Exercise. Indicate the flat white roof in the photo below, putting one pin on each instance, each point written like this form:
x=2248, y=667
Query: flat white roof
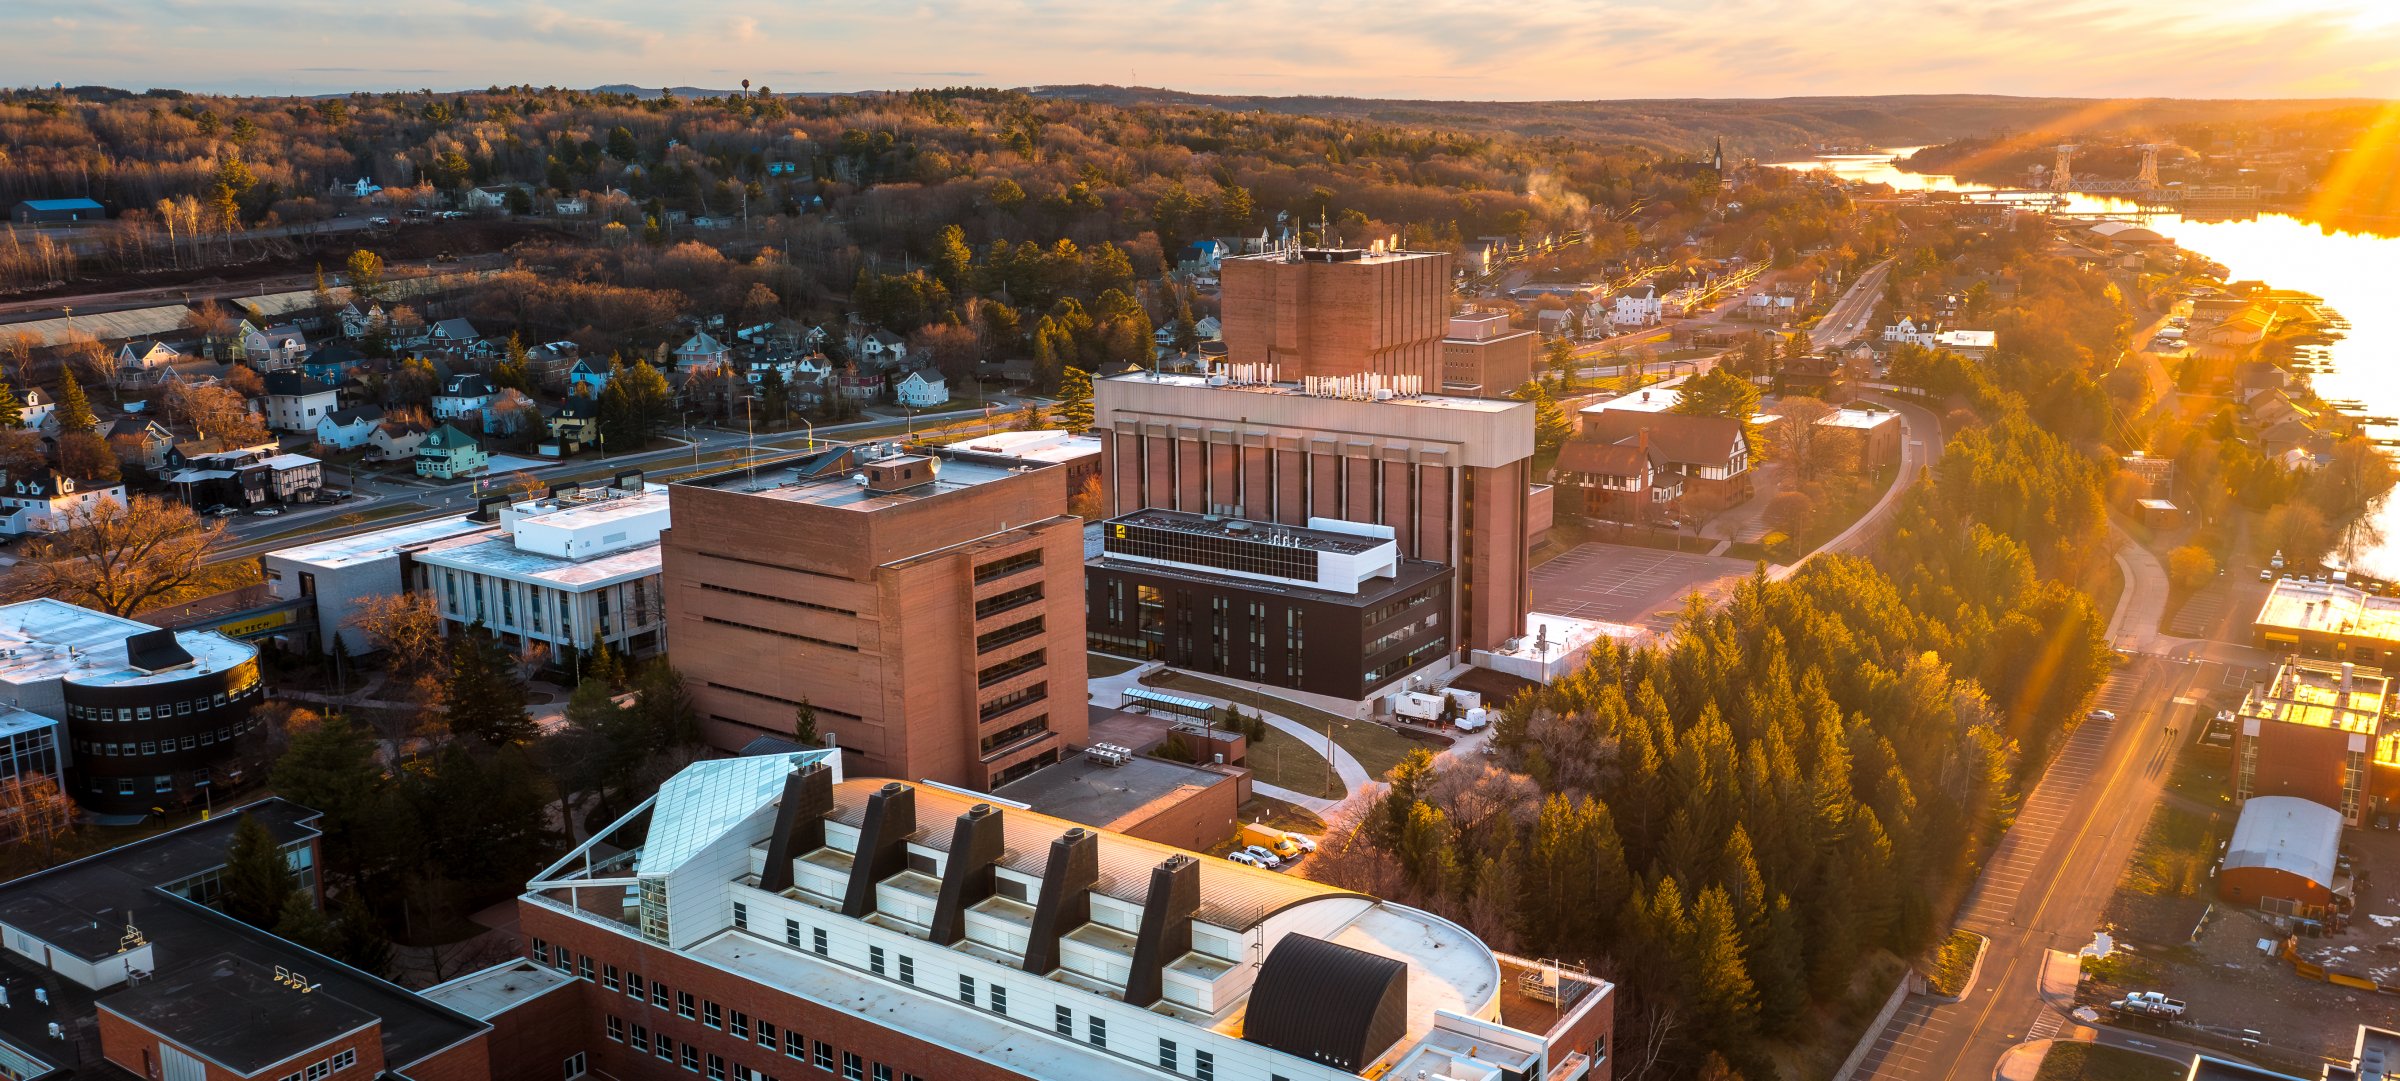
x=47, y=638
x=486, y=994
x=1294, y=390
x=368, y=547
x=1040, y=446
x=1859, y=418
x=499, y=556
x=288, y=461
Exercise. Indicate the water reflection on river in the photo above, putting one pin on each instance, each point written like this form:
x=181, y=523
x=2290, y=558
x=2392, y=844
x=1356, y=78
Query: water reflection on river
x=2356, y=273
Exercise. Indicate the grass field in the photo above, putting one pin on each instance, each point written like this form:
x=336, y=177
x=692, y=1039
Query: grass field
x=2071, y=1061
x=2173, y=856
x=1376, y=747
x=1101, y=664
x=1285, y=762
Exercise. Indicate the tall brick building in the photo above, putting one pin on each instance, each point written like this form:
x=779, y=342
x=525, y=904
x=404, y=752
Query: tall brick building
x=926, y=606
x=1338, y=312
x=762, y=917
x=1483, y=358
x=1449, y=475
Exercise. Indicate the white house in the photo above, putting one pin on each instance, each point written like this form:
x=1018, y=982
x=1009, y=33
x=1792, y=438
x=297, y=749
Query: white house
x=463, y=396
x=41, y=503
x=139, y=361
x=922, y=389
x=38, y=410
x=700, y=351
x=882, y=347
x=395, y=441
x=490, y=198
x=344, y=429
x=1929, y=334
x=275, y=347
x=1639, y=306
x=294, y=402
x=571, y=207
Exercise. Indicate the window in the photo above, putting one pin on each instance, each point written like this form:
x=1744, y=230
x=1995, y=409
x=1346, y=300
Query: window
x=739, y=1026
x=616, y=1028
x=1002, y=568
x=1021, y=696
x=574, y=1066
x=1166, y=1055
x=1204, y=1066
x=766, y=1035
x=824, y=1055
x=791, y=933
x=882, y=1072
x=1001, y=602
x=712, y=1015
x=641, y=1038
x=658, y=995
x=666, y=1048
x=817, y=943
x=633, y=985
x=683, y=1005
x=875, y=960
x=741, y=916
x=966, y=988
x=608, y=977
x=1064, y=1020
x=585, y=968
x=344, y=1059
x=1012, y=667
x=999, y=997
x=541, y=952
x=854, y=1068
x=563, y=960
x=691, y=1058
x=716, y=1068
x=319, y=1070
x=908, y=969
x=1096, y=1030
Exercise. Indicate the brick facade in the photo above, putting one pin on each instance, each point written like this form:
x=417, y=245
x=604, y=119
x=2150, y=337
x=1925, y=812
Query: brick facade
x=1339, y=313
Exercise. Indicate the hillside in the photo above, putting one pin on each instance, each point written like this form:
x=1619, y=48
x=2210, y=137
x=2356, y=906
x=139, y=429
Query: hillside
x=1761, y=127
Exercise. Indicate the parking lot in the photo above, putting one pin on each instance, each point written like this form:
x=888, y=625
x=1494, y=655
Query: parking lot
x=1620, y=583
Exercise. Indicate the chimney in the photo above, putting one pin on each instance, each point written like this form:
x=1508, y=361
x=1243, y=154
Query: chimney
x=976, y=844
x=1066, y=900
x=799, y=823
x=882, y=845
x=1166, y=926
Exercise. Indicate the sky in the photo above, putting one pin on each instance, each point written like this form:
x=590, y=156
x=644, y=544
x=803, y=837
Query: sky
x=1442, y=49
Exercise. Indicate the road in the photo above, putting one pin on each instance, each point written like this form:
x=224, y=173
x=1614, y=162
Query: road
x=1847, y=320
x=2046, y=885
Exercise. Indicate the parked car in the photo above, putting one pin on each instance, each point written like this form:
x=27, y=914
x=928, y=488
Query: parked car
x=379, y=221
x=1264, y=857
x=1306, y=843
x=2265, y=575
x=2101, y=715
x=1244, y=858
x=266, y=512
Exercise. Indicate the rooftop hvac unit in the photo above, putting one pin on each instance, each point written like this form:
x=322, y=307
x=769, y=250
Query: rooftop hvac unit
x=859, y=479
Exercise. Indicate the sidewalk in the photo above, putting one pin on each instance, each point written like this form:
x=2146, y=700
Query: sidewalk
x=1109, y=692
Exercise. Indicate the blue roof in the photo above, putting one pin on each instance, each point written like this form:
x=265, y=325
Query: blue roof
x=62, y=204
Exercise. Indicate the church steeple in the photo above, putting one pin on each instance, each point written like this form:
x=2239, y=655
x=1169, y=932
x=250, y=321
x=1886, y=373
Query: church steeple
x=1719, y=159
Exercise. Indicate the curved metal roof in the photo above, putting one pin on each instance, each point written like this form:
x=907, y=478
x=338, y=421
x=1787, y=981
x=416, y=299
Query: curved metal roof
x=1327, y=1003
x=2289, y=834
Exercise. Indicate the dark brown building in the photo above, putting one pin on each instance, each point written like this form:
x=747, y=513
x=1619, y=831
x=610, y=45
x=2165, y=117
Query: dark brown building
x=924, y=605
x=1331, y=610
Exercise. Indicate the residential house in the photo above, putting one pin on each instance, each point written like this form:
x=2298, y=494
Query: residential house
x=38, y=410
x=453, y=334
x=571, y=207
x=463, y=396
x=494, y=198
x=859, y=386
x=923, y=388
x=358, y=319
x=572, y=427
x=550, y=358
x=332, y=363
x=294, y=403
x=2291, y=434
x=1710, y=454
x=448, y=453
x=1825, y=377
x=700, y=351
x=1209, y=328
x=294, y=478
x=508, y=412
x=395, y=440
x=881, y=347
x=1202, y=255
x=348, y=429
x=138, y=360
x=1616, y=482
x=141, y=442
x=42, y=502
x=274, y=348
x=586, y=379
x=1973, y=344
x=1639, y=306
x=247, y=477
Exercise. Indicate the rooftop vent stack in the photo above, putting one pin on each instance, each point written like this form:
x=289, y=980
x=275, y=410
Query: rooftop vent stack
x=882, y=845
x=629, y=480
x=977, y=843
x=1066, y=899
x=800, y=826
x=1166, y=932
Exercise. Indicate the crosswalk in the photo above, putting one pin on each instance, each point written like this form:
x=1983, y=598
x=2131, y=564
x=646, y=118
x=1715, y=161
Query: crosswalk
x=1903, y=1050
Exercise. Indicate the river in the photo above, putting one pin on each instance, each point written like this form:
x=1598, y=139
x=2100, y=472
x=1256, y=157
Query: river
x=2350, y=270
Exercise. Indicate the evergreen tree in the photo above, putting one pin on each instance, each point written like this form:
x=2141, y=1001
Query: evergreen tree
x=953, y=261
x=74, y=410
x=1778, y=967
x=359, y=939
x=604, y=666
x=257, y=879
x=1429, y=850
x=483, y=696
x=12, y=408
x=299, y=921
x=1726, y=1000
x=668, y=715
x=331, y=768
x=804, y=724
x=1074, y=412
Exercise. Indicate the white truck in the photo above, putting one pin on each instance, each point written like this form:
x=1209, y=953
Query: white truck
x=1419, y=706
x=2151, y=1004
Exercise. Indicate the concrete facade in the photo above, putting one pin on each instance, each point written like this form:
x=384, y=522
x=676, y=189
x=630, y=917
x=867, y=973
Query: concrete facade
x=1338, y=312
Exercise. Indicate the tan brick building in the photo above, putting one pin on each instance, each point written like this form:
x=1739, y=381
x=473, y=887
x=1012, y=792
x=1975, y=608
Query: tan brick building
x=927, y=606
x=1338, y=312
x=1481, y=356
x=1450, y=475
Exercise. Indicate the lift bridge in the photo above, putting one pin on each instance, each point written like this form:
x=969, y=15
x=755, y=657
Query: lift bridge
x=2143, y=188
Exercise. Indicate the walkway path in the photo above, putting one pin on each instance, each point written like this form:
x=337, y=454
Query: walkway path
x=1109, y=691
x=1920, y=444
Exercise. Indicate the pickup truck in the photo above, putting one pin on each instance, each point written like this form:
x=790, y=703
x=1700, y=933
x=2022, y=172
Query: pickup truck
x=2148, y=1004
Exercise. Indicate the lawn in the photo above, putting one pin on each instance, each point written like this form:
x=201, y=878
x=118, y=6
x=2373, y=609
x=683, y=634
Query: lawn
x=1285, y=762
x=1101, y=664
x=1376, y=747
x=2074, y=1061
x=1954, y=963
x=1276, y=814
x=2173, y=856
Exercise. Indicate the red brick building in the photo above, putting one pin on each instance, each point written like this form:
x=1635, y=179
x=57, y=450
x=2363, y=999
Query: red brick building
x=1338, y=312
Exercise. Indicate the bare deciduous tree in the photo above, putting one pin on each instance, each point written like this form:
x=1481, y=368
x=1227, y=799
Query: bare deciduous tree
x=408, y=630
x=122, y=559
